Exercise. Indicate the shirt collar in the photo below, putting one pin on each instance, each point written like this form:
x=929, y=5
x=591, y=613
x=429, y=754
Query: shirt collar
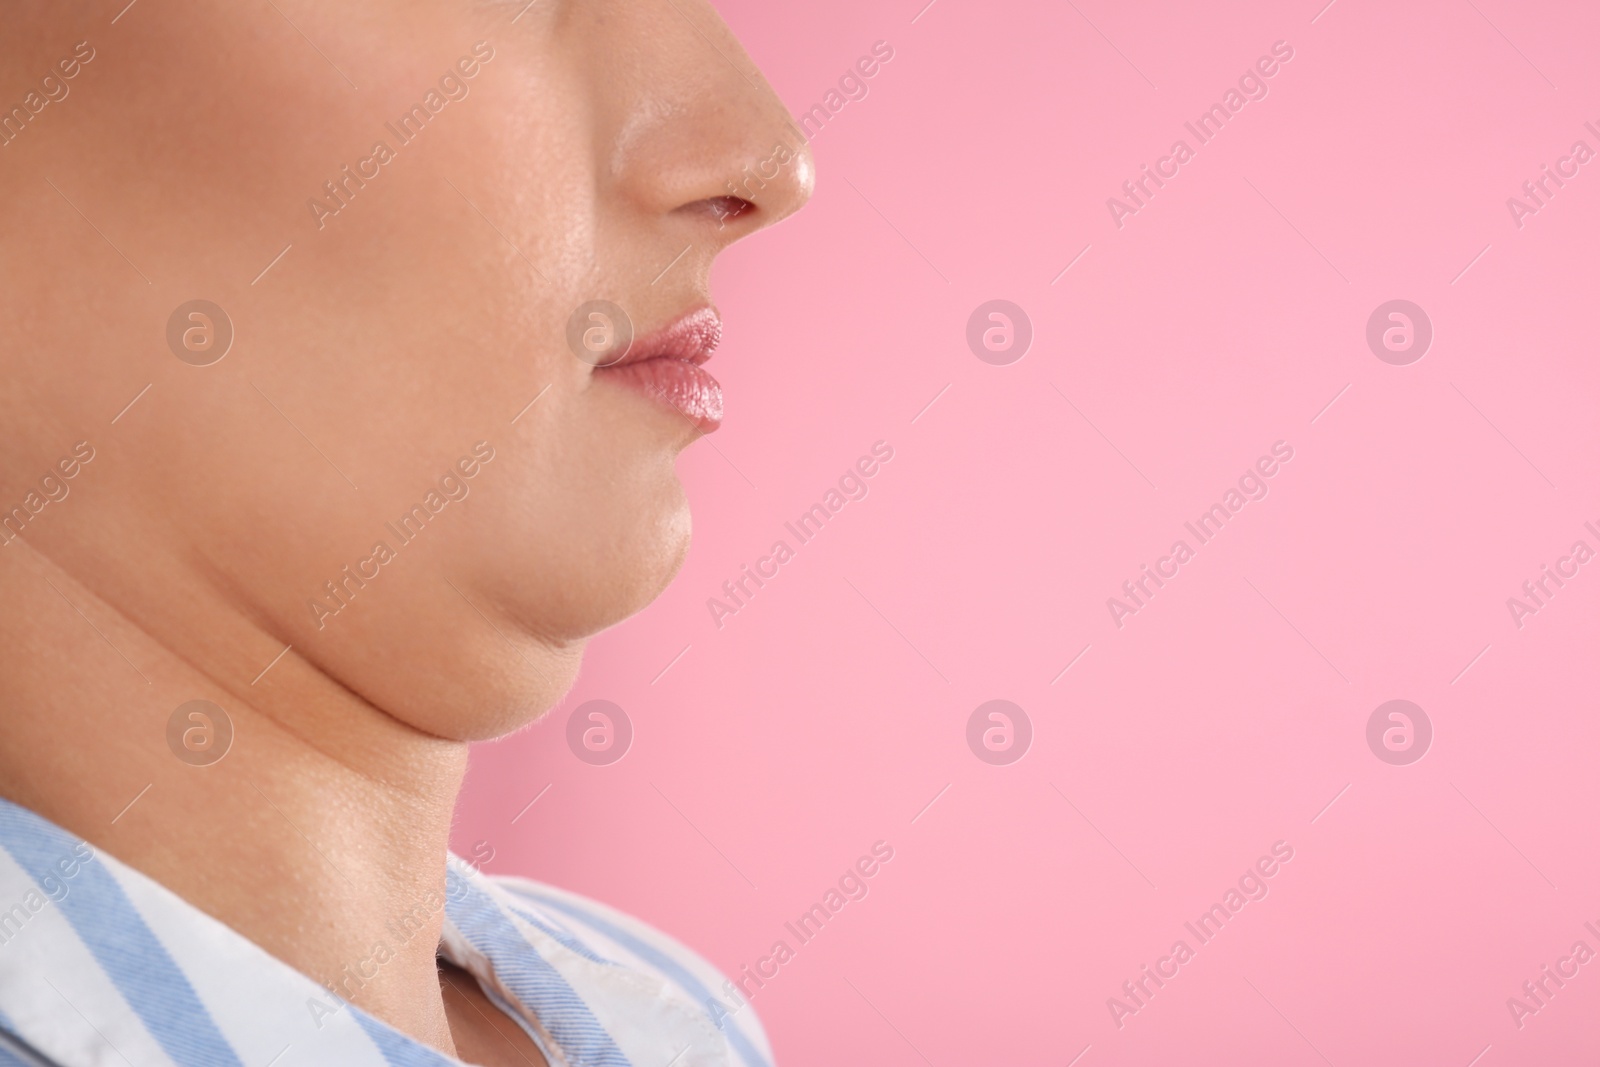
x=100, y=965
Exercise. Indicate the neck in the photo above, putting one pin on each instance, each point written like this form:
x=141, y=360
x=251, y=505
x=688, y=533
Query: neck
x=320, y=836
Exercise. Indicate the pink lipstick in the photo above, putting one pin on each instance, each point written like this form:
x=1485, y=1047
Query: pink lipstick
x=666, y=367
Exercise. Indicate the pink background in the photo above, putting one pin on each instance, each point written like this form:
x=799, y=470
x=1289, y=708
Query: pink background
x=1225, y=716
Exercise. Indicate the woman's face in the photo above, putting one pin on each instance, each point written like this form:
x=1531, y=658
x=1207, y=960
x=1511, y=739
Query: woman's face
x=400, y=466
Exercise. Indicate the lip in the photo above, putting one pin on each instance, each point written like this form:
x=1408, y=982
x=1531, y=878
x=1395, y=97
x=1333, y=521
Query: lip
x=665, y=366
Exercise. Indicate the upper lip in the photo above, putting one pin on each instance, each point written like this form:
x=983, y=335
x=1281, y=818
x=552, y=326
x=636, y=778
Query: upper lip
x=691, y=338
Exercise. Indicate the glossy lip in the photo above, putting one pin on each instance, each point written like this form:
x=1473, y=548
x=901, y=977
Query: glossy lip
x=690, y=338
x=665, y=367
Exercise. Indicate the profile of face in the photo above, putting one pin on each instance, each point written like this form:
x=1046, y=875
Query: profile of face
x=400, y=466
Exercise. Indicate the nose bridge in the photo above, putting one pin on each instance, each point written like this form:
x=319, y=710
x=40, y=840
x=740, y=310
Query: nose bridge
x=696, y=121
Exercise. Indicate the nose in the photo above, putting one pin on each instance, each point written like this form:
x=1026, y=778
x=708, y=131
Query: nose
x=697, y=142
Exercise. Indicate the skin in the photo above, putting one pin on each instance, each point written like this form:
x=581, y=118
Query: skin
x=419, y=320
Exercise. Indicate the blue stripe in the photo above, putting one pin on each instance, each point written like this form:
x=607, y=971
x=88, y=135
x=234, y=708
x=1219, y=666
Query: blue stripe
x=114, y=931
x=663, y=963
x=530, y=978
x=562, y=936
x=11, y=1059
x=15, y=1052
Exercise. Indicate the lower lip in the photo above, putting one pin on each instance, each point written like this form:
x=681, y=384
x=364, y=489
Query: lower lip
x=676, y=385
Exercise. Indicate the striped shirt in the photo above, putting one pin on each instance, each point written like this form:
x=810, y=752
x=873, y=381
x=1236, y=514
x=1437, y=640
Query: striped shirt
x=102, y=967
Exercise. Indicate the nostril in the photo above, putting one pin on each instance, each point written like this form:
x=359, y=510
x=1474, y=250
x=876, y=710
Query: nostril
x=725, y=209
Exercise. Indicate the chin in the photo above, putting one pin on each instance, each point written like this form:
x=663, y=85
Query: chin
x=486, y=632
x=607, y=580
x=504, y=701
x=588, y=586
